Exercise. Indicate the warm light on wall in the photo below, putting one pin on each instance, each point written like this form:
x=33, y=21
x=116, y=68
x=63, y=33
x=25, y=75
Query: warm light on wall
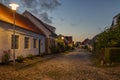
x=56, y=39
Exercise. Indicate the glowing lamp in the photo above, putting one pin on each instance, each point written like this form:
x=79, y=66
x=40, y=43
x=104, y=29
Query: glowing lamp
x=14, y=6
x=62, y=37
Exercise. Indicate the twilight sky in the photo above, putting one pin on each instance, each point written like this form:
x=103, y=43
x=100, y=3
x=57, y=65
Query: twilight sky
x=78, y=18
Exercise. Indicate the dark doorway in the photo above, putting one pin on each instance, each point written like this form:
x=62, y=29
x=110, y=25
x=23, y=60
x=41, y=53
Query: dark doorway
x=39, y=46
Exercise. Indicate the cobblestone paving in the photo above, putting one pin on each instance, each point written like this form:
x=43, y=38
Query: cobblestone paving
x=72, y=66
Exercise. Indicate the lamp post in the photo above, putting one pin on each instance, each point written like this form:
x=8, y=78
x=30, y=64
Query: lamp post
x=14, y=8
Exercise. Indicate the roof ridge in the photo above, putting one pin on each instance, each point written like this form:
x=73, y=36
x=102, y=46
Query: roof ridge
x=44, y=24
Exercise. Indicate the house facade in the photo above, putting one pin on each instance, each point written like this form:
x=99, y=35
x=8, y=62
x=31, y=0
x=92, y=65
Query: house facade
x=116, y=19
x=48, y=30
x=28, y=38
x=69, y=41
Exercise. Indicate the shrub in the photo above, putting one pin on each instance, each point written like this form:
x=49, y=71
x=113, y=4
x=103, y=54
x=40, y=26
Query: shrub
x=20, y=58
x=30, y=56
x=115, y=55
x=110, y=55
x=61, y=47
x=107, y=55
x=54, y=49
x=6, y=57
x=41, y=54
x=68, y=48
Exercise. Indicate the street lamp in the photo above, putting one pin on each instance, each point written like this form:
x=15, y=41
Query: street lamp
x=14, y=8
x=62, y=38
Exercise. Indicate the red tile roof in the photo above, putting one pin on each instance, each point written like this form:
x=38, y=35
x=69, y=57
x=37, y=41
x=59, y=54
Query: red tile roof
x=6, y=15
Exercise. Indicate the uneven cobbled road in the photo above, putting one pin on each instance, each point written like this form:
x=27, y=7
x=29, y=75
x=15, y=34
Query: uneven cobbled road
x=75, y=65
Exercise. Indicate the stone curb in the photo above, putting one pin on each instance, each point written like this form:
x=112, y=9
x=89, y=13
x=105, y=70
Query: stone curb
x=34, y=62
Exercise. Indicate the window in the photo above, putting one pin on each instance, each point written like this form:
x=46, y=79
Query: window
x=14, y=41
x=26, y=42
x=34, y=43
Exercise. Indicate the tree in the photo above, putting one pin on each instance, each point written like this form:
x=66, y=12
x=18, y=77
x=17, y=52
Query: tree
x=110, y=37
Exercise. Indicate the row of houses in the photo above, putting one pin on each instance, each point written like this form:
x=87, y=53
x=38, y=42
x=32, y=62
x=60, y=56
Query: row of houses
x=32, y=36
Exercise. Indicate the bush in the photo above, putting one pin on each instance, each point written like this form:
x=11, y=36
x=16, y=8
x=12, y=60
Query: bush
x=107, y=55
x=54, y=49
x=61, y=47
x=6, y=57
x=115, y=55
x=20, y=59
x=30, y=56
x=41, y=54
x=68, y=48
x=110, y=55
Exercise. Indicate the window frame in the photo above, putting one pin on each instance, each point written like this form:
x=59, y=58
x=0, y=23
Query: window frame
x=26, y=42
x=16, y=45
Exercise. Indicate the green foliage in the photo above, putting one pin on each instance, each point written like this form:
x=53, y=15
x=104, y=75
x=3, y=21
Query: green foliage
x=110, y=37
x=102, y=40
x=68, y=48
x=30, y=56
x=6, y=57
x=55, y=49
x=112, y=55
x=61, y=46
x=20, y=58
x=42, y=54
x=107, y=39
x=115, y=55
x=107, y=55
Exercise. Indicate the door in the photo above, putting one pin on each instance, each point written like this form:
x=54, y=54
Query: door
x=39, y=46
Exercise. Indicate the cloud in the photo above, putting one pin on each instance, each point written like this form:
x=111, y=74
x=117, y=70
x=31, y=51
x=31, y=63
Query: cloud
x=45, y=18
x=41, y=8
x=37, y=7
x=41, y=4
x=50, y=4
x=29, y=3
x=5, y=1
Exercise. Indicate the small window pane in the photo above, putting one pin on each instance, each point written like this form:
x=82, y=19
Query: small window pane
x=26, y=42
x=14, y=41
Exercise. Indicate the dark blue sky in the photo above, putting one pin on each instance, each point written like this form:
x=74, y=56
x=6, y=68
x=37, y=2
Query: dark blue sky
x=79, y=18
x=85, y=18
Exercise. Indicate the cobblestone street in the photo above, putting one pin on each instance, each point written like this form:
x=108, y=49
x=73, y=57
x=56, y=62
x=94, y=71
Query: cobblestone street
x=72, y=66
x=59, y=39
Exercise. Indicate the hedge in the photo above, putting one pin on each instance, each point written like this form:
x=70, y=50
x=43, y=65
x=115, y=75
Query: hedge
x=115, y=55
x=112, y=55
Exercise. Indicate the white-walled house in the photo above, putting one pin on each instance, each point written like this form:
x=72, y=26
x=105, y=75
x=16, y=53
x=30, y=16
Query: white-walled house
x=28, y=38
x=48, y=30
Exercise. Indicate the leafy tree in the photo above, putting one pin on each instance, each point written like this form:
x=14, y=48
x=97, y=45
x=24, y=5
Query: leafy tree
x=110, y=37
